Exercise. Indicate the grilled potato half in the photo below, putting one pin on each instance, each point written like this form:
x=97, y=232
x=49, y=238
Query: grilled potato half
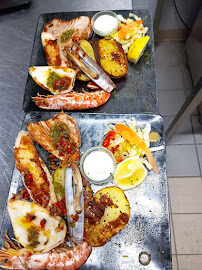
x=106, y=214
x=86, y=46
x=111, y=57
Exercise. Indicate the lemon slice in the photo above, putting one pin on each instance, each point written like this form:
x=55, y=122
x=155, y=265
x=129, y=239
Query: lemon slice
x=137, y=48
x=130, y=173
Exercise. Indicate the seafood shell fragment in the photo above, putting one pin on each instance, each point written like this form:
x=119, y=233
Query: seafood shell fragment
x=57, y=80
x=34, y=228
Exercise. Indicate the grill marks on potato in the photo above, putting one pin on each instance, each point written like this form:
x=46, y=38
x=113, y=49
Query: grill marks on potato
x=106, y=214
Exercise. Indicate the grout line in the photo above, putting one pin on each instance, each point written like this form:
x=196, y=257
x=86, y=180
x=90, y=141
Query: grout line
x=180, y=89
x=171, y=221
x=183, y=144
x=186, y=213
x=184, y=176
x=188, y=254
x=171, y=217
x=197, y=154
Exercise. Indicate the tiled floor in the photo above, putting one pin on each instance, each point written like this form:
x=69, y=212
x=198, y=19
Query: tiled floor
x=184, y=158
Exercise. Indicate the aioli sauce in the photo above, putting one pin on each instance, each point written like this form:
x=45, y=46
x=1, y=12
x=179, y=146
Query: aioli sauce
x=105, y=23
x=98, y=165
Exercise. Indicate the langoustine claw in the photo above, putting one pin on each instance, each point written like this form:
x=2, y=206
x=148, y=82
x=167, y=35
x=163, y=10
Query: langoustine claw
x=72, y=100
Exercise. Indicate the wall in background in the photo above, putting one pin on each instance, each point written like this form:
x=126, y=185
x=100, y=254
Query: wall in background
x=188, y=10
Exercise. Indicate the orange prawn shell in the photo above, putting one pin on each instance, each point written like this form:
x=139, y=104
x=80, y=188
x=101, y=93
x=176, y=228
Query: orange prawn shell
x=72, y=100
x=40, y=132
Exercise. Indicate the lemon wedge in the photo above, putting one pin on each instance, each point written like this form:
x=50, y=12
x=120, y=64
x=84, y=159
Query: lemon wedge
x=137, y=48
x=130, y=173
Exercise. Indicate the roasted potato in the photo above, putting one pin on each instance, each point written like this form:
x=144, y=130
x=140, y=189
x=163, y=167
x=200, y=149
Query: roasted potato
x=86, y=46
x=111, y=57
x=106, y=214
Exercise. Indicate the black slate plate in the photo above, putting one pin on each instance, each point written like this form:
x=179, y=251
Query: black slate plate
x=135, y=93
x=148, y=228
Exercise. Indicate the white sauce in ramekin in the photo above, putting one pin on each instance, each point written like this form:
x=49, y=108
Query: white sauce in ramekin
x=105, y=23
x=98, y=165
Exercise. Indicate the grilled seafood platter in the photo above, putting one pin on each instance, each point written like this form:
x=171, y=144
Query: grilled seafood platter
x=95, y=63
x=56, y=218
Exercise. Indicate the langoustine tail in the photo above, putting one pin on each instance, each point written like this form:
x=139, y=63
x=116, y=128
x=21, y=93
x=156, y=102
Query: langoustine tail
x=72, y=101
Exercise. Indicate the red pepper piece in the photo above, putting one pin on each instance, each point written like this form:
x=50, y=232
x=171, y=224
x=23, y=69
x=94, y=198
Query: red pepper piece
x=106, y=142
x=110, y=136
x=77, y=49
x=62, y=82
x=84, y=54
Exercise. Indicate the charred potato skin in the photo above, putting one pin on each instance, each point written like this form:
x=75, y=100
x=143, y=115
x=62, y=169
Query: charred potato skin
x=111, y=57
x=115, y=217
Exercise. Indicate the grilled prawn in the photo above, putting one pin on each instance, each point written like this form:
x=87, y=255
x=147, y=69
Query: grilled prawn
x=60, y=258
x=72, y=100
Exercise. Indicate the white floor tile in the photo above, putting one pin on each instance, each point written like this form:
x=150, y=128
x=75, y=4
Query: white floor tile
x=188, y=233
x=170, y=54
x=183, y=135
x=170, y=102
x=189, y=262
x=199, y=151
x=186, y=77
x=174, y=262
x=197, y=127
x=182, y=161
x=172, y=236
x=185, y=195
x=169, y=78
